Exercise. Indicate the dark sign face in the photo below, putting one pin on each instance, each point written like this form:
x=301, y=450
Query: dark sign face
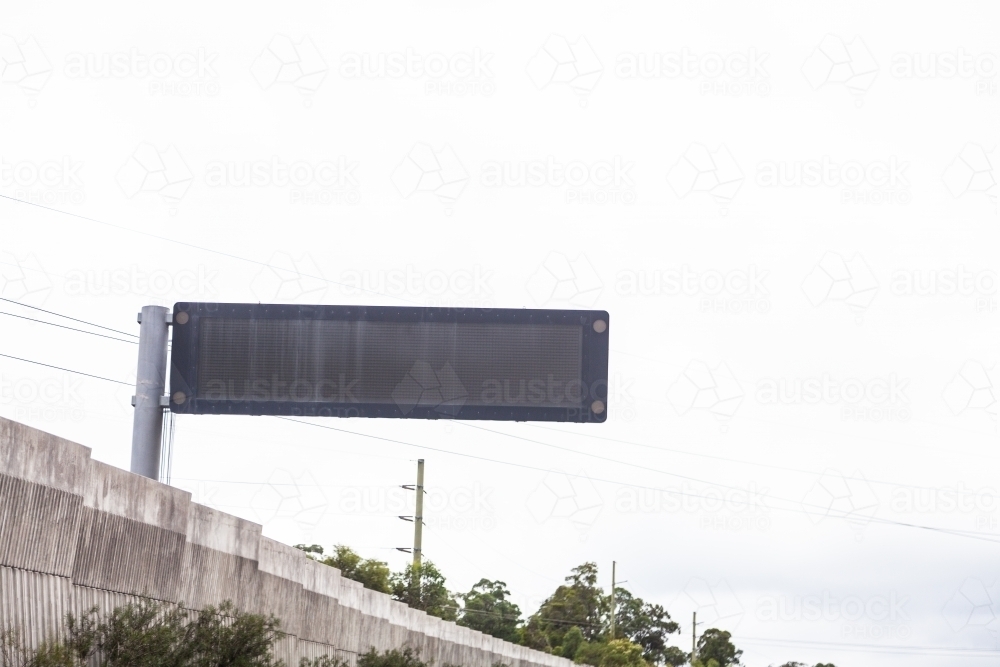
x=368, y=361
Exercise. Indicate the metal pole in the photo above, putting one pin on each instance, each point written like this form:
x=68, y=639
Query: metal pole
x=150, y=384
x=613, y=599
x=418, y=517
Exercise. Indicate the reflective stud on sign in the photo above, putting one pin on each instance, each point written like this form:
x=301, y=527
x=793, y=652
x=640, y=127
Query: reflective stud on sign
x=597, y=407
x=179, y=397
x=182, y=318
x=600, y=326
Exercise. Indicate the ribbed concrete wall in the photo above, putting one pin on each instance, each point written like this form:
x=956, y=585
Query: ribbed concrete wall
x=75, y=533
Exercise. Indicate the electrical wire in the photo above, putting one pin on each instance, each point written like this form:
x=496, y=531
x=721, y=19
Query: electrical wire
x=726, y=459
x=827, y=511
x=837, y=514
x=24, y=305
x=185, y=244
x=695, y=479
x=875, y=648
x=63, y=326
x=67, y=370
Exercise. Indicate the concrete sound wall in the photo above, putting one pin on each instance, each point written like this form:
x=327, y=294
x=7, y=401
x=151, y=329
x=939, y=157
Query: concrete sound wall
x=75, y=533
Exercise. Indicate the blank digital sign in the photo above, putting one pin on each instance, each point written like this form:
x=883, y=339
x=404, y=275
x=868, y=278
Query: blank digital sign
x=367, y=361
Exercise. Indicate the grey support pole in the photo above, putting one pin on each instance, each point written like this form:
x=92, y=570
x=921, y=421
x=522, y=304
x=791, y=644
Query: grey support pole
x=150, y=386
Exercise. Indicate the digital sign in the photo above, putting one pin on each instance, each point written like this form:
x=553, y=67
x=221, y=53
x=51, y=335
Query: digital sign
x=376, y=361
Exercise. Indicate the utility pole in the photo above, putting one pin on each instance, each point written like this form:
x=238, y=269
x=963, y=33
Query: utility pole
x=613, y=563
x=694, y=644
x=150, y=384
x=418, y=517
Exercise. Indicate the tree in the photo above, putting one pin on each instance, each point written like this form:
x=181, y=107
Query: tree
x=533, y=636
x=614, y=653
x=572, y=641
x=578, y=603
x=647, y=625
x=488, y=610
x=394, y=658
x=622, y=653
x=370, y=573
x=674, y=657
x=715, y=645
x=152, y=634
x=581, y=605
x=423, y=587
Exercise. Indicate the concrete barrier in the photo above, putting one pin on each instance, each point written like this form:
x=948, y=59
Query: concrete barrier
x=77, y=533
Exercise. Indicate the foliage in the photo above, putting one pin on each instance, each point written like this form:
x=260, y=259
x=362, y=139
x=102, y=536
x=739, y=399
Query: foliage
x=715, y=645
x=423, y=587
x=394, y=658
x=150, y=634
x=622, y=653
x=674, y=657
x=323, y=661
x=590, y=653
x=577, y=603
x=49, y=654
x=572, y=641
x=581, y=605
x=227, y=636
x=488, y=610
x=614, y=653
x=370, y=573
x=532, y=635
x=647, y=625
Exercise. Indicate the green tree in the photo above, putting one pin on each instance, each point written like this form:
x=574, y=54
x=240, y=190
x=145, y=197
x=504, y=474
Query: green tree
x=579, y=602
x=143, y=634
x=224, y=635
x=394, y=658
x=488, y=610
x=533, y=636
x=152, y=634
x=323, y=661
x=13, y=653
x=590, y=653
x=622, y=653
x=614, y=653
x=572, y=641
x=649, y=626
x=716, y=645
x=370, y=573
x=674, y=657
x=423, y=587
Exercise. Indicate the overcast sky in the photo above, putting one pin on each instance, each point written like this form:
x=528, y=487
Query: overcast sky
x=790, y=214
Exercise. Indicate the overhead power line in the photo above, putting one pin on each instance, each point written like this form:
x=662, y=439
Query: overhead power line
x=725, y=459
x=67, y=370
x=827, y=511
x=672, y=474
x=63, y=326
x=50, y=312
x=953, y=651
x=185, y=244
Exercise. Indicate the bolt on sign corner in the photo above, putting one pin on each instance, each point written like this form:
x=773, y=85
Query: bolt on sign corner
x=370, y=361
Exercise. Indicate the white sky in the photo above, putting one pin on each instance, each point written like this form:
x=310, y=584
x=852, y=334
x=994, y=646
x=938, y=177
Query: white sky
x=837, y=269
